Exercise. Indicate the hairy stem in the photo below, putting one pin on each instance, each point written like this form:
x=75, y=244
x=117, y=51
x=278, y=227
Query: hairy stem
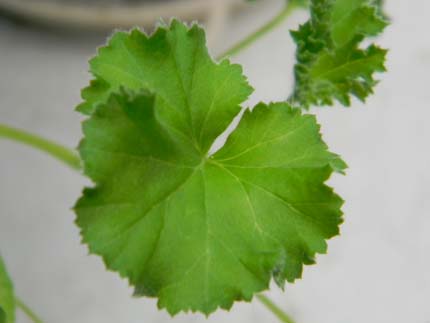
x=57, y=151
x=27, y=310
x=280, y=314
x=269, y=26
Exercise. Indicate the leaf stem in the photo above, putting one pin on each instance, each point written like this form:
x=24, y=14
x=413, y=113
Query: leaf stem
x=28, y=311
x=280, y=314
x=66, y=155
x=266, y=28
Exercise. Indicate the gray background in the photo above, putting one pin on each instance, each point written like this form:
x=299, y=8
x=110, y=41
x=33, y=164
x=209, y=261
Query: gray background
x=376, y=271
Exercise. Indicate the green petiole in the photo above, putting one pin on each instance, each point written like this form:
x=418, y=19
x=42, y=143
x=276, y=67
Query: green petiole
x=263, y=30
x=63, y=154
x=280, y=314
x=28, y=311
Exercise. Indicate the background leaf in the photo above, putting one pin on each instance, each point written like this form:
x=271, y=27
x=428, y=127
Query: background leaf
x=7, y=300
x=331, y=64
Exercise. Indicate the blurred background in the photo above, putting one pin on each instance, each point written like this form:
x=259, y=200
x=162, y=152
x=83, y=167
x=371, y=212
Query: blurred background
x=378, y=270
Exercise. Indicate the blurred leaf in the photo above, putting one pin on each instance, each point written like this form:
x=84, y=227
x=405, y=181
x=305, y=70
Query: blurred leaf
x=7, y=300
x=331, y=64
x=300, y=3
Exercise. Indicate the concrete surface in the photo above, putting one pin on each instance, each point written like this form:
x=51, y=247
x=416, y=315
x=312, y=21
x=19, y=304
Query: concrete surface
x=378, y=270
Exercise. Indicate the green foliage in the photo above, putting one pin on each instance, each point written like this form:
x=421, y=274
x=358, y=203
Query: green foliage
x=7, y=300
x=331, y=64
x=196, y=230
x=299, y=3
x=171, y=62
x=2, y=316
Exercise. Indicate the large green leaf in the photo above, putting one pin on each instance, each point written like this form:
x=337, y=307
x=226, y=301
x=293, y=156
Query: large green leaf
x=7, y=300
x=331, y=63
x=200, y=231
x=199, y=97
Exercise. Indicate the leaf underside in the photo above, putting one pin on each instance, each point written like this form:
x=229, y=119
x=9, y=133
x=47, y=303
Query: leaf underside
x=7, y=300
x=331, y=64
x=195, y=230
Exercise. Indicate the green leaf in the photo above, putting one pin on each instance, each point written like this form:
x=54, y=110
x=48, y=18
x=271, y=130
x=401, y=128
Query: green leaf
x=331, y=62
x=299, y=3
x=199, y=97
x=2, y=316
x=7, y=300
x=200, y=231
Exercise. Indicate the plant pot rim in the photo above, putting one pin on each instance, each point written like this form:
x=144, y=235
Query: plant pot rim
x=102, y=17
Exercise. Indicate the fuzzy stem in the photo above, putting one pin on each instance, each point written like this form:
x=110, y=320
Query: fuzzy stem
x=57, y=151
x=28, y=311
x=269, y=26
x=280, y=314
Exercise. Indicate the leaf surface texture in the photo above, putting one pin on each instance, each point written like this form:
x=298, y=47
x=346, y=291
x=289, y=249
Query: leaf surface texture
x=198, y=231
